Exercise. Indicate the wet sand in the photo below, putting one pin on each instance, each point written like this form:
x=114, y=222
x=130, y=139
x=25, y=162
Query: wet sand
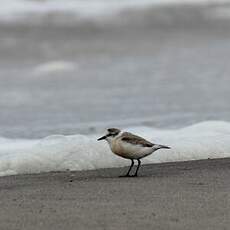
x=184, y=195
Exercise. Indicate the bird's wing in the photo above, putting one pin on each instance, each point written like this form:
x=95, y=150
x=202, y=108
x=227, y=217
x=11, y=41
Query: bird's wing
x=136, y=140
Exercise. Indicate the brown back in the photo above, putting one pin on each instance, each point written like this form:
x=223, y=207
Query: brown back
x=136, y=140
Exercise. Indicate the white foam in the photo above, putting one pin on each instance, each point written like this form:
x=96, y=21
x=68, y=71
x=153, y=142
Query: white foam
x=54, y=67
x=18, y=9
x=78, y=152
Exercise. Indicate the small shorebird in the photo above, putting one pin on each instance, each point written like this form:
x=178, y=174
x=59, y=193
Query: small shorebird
x=130, y=146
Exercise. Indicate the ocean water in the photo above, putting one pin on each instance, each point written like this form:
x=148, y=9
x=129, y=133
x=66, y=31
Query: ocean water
x=69, y=71
x=19, y=9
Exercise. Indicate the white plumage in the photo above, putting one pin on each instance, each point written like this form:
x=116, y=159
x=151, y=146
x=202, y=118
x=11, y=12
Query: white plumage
x=130, y=146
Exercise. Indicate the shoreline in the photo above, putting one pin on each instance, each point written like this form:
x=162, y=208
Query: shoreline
x=193, y=164
x=178, y=195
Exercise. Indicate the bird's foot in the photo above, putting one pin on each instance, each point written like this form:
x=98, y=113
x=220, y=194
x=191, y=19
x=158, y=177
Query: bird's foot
x=127, y=175
x=135, y=175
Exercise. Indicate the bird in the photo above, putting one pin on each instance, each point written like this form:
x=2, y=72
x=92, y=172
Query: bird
x=130, y=146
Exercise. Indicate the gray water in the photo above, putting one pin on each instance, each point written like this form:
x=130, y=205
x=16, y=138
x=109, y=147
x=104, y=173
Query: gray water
x=163, y=66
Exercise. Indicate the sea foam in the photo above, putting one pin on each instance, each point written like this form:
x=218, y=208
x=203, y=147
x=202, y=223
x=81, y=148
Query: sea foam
x=80, y=152
x=54, y=67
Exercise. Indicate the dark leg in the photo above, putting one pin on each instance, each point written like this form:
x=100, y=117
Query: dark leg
x=138, y=166
x=127, y=174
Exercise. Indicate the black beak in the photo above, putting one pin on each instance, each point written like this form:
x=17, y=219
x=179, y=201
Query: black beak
x=164, y=147
x=101, y=138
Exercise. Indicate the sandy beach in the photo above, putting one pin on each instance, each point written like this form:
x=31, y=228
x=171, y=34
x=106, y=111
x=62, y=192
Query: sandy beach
x=184, y=195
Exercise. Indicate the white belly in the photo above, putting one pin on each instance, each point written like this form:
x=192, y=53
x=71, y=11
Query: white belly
x=130, y=151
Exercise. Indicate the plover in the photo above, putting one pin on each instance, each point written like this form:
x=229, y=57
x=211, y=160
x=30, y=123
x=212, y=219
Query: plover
x=130, y=146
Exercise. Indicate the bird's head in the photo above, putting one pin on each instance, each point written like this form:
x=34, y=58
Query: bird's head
x=110, y=135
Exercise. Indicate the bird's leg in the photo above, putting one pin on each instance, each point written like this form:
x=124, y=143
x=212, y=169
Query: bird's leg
x=138, y=166
x=127, y=174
